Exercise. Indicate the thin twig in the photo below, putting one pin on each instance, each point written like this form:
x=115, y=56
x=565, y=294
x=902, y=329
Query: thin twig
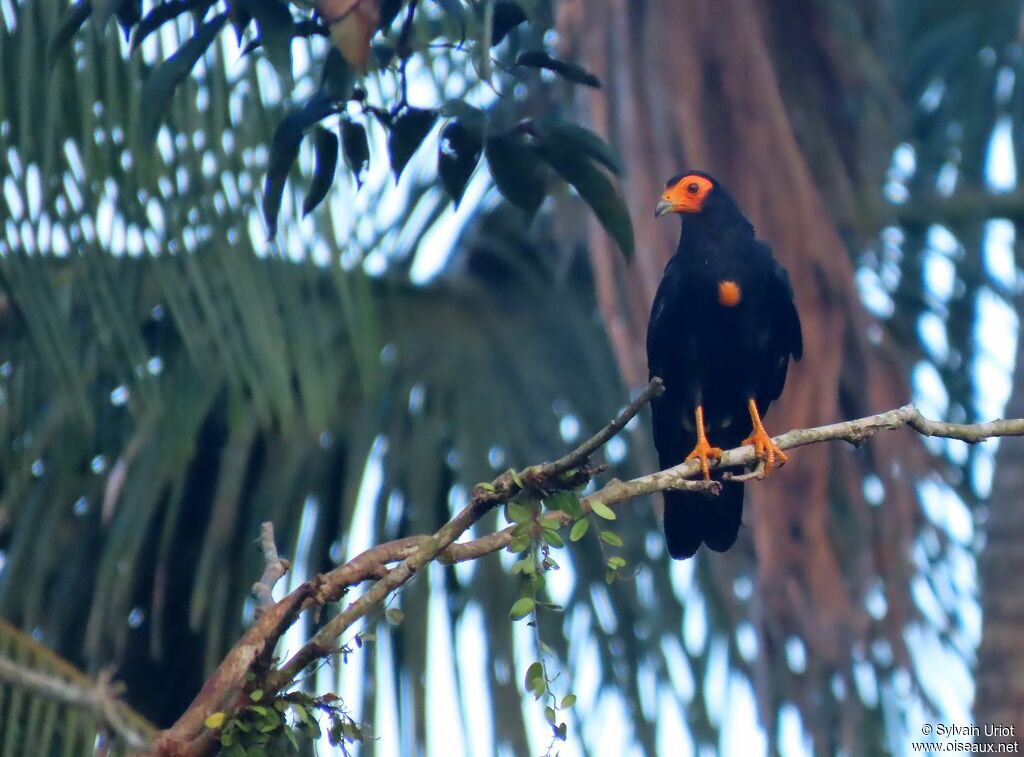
x=102, y=699
x=273, y=571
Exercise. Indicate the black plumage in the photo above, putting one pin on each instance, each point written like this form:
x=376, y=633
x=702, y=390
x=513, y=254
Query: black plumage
x=723, y=328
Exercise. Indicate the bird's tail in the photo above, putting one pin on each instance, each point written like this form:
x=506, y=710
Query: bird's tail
x=692, y=518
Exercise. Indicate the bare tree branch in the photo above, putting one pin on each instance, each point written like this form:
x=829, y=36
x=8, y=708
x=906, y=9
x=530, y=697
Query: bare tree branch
x=187, y=736
x=102, y=698
x=274, y=568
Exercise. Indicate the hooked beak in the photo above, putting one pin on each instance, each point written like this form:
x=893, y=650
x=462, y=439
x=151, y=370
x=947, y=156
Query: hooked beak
x=663, y=207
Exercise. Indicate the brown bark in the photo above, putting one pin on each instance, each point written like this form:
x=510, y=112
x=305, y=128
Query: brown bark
x=699, y=84
x=999, y=696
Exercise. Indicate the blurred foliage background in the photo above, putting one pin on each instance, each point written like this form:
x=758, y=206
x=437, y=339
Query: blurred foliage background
x=171, y=375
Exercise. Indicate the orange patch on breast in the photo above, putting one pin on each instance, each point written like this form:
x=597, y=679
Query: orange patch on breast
x=729, y=294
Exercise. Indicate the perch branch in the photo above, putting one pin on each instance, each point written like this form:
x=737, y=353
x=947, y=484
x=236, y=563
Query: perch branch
x=187, y=736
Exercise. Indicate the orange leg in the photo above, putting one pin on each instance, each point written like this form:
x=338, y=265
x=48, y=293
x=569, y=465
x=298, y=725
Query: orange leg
x=702, y=450
x=764, y=447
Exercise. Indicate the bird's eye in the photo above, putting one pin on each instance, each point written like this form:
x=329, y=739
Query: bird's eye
x=692, y=188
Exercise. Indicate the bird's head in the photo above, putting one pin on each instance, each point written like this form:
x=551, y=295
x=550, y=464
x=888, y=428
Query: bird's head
x=689, y=192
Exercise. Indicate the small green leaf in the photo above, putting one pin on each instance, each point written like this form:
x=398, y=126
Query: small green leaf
x=407, y=133
x=516, y=170
x=567, y=502
x=326, y=147
x=549, y=714
x=567, y=701
x=610, y=537
x=522, y=607
x=215, y=720
x=579, y=529
x=487, y=486
x=356, y=148
x=519, y=543
x=616, y=562
x=166, y=76
x=256, y=695
x=516, y=477
x=394, y=616
x=601, y=510
x=516, y=512
x=569, y=71
x=534, y=673
x=552, y=537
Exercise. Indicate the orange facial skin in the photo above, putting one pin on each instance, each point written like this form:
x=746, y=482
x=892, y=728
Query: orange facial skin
x=686, y=195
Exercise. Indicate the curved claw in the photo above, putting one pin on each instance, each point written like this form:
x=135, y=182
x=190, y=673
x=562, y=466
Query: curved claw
x=704, y=452
x=765, y=449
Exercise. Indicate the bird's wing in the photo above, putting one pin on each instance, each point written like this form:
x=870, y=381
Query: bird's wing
x=790, y=334
x=659, y=324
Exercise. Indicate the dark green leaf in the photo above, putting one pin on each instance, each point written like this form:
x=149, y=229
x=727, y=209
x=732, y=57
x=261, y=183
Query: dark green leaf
x=458, y=153
x=583, y=140
x=522, y=607
x=382, y=54
x=407, y=133
x=165, y=77
x=593, y=186
x=326, y=144
x=388, y=10
x=549, y=714
x=128, y=14
x=159, y=15
x=337, y=78
x=356, y=148
x=70, y=22
x=570, y=71
x=507, y=16
x=516, y=171
x=284, y=150
x=276, y=28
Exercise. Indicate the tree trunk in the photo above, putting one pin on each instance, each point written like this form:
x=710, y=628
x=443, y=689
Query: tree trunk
x=721, y=85
x=999, y=678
